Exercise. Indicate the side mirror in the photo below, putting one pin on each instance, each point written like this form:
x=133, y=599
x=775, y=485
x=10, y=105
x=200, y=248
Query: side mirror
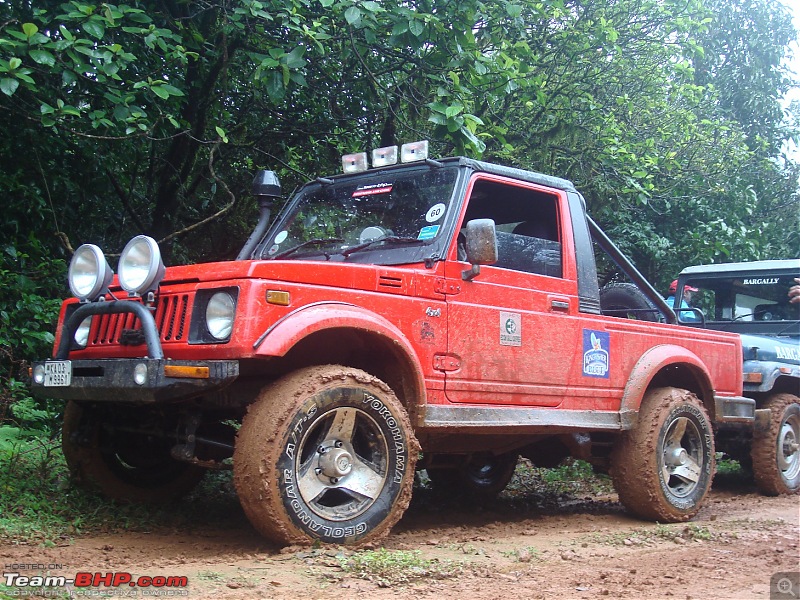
x=481, y=246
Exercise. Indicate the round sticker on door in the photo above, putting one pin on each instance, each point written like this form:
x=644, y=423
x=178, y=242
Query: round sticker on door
x=279, y=239
x=435, y=213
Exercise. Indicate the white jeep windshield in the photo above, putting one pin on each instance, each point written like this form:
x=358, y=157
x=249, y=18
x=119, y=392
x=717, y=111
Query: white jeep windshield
x=744, y=298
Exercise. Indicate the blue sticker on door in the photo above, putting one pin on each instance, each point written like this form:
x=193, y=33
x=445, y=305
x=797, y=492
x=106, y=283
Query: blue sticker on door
x=595, y=353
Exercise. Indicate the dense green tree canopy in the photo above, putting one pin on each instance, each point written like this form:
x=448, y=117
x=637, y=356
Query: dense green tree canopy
x=152, y=117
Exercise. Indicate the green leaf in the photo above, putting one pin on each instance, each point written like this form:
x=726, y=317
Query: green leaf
x=29, y=29
x=514, y=10
x=454, y=110
x=295, y=60
x=476, y=143
x=353, y=15
x=43, y=57
x=8, y=86
x=159, y=91
x=66, y=33
x=275, y=88
x=14, y=63
x=172, y=90
x=416, y=27
x=95, y=29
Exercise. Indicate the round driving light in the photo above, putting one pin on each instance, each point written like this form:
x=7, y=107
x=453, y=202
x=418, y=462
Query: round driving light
x=140, y=266
x=140, y=374
x=38, y=374
x=219, y=315
x=81, y=336
x=89, y=273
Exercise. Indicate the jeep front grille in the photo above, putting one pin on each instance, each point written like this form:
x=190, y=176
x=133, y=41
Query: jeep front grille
x=171, y=321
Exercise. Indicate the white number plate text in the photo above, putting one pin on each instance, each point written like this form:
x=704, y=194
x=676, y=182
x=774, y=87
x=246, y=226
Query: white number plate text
x=57, y=373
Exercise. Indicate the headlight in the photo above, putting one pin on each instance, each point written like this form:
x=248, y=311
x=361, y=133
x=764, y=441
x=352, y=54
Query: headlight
x=219, y=315
x=81, y=336
x=140, y=266
x=89, y=273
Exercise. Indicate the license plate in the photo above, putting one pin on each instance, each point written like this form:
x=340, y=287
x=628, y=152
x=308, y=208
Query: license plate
x=57, y=373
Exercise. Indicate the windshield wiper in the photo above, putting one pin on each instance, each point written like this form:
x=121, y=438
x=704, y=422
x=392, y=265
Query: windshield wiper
x=313, y=242
x=389, y=238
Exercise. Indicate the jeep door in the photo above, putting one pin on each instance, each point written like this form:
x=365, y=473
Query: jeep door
x=511, y=340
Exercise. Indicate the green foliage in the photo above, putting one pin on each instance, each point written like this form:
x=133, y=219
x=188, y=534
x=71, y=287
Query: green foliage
x=140, y=95
x=571, y=479
x=39, y=504
x=27, y=320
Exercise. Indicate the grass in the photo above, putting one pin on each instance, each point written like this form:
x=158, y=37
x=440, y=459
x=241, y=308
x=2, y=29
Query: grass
x=40, y=505
x=526, y=554
x=388, y=568
x=678, y=533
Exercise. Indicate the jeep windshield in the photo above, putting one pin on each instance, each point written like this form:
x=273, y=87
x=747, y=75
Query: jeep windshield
x=745, y=302
x=389, y=217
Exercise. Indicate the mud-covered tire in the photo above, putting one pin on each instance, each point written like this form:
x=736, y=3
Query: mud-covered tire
x=325, y=453
x=775, y=452
x=627, y=301
x=663, y=468
x=121, y=465
x=480, y=477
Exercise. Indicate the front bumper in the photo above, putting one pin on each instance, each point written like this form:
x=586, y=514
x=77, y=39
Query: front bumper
x=139, y=380
x=112, y=380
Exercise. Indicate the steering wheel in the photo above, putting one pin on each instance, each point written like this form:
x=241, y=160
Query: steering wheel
x=373, y=232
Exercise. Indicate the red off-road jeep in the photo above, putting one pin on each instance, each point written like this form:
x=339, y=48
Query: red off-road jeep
x=443, y=309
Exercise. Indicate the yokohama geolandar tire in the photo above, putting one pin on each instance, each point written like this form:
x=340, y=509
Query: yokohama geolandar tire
x=662, y=469
x=776, y=452
x=123, y=466
x=325, y=453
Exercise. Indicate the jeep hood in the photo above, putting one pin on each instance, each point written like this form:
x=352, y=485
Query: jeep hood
x=785, y=349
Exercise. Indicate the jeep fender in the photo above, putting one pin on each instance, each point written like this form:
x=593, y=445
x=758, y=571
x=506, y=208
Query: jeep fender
x=651, y=364
x=283, y=335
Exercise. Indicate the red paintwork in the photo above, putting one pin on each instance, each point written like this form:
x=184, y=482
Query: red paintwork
x=452, y=341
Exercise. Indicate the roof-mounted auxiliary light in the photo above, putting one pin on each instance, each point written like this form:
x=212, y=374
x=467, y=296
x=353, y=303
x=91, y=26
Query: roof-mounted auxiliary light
x=414, y=151
x=354, y=163
x=382, y=157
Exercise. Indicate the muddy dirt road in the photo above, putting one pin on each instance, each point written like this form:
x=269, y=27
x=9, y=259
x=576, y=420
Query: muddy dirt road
x=521, y=548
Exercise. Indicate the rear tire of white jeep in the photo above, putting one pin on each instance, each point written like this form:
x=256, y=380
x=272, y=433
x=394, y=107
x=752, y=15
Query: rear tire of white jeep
x=663, y=468
x=776, y=451
x=325, y=454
